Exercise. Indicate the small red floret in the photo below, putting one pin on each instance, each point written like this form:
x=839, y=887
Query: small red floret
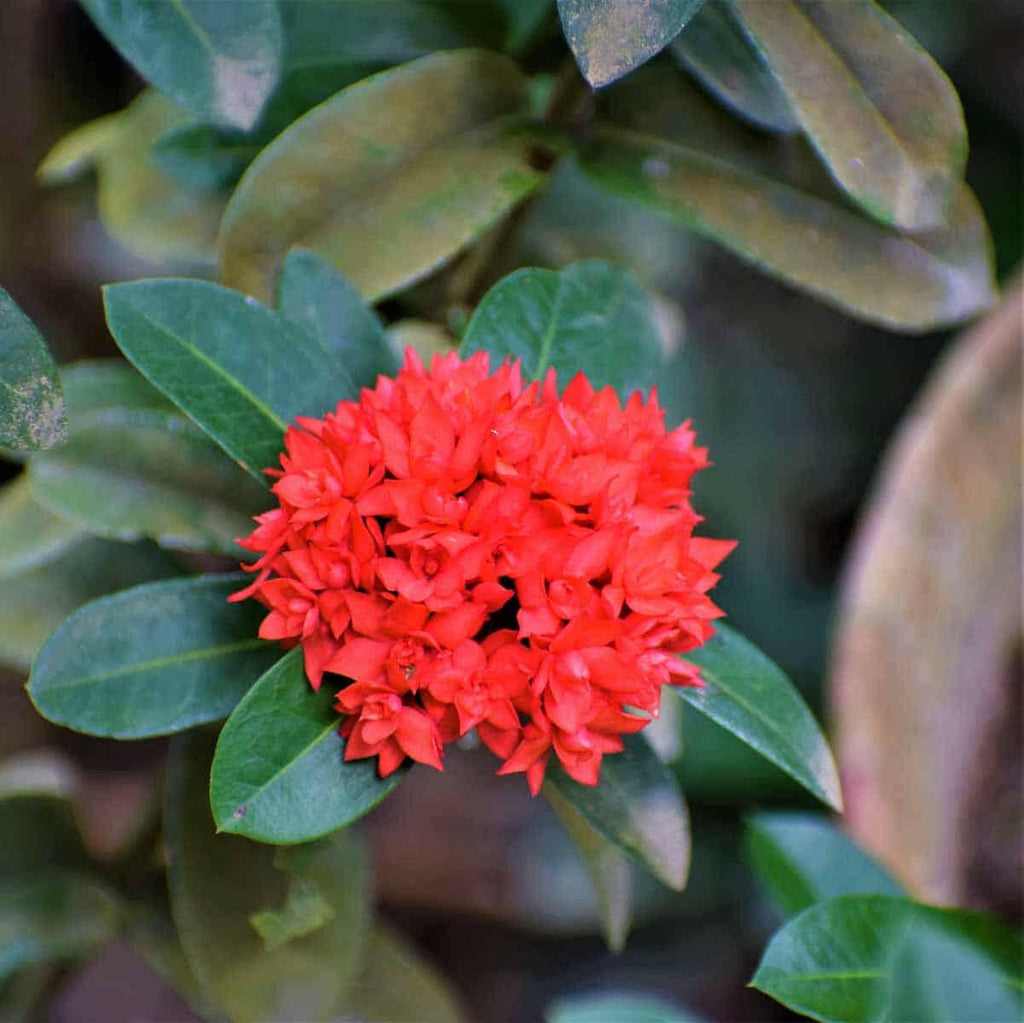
x=476, y=553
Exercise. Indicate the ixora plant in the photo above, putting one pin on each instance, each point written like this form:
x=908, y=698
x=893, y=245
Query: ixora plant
x=317, y=558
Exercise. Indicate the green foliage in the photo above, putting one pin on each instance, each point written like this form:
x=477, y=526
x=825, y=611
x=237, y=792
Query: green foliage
x=590, y=317
x=327, y=305
x=29, y=534
x=638, y=806
x=32, y=413
x=609, y=38
x=130, y=473
x=803, y=859
x=271, y=934
x=397, y=172
x=152, y=660
x=219, y=60
x=748, y=695
x=878, y=958
x=616, y=1008
x=238, y=369
x=278, y=775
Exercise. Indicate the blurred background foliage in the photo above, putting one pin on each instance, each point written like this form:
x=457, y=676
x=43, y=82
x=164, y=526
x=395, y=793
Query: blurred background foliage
x=796, y=399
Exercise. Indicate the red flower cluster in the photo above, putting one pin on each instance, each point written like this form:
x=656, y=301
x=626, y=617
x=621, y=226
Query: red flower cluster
x=474, y=553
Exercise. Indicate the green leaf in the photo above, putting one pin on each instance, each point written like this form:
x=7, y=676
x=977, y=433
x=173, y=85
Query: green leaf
x=606, y=865
x=616, y=1008
x=397, y=986
x=34, y=603
x=638, y=806
x=32, y=413
x=590, y=317
x=79, y=150
x=53, y=916
x=906, y=282
x=388, y=179
x=748, y=695
x=203, y=156
x=278, y=775
x=802, y=859
x=220, y=60
x=37, y=817
x=847, y=959
x=714, y=49
x=880, y=112
x=240, y=370
x=151, y=660
x=609, y=38
x=131, y=473
x=96, y=384
x=328, y=307
x=29, y=534
x=219, y=883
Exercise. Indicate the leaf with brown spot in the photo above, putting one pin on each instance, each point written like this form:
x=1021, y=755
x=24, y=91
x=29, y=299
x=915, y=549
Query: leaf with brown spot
x=32, y=412
x=386, y=180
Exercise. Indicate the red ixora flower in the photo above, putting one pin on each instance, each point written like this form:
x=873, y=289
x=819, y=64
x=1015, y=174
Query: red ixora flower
x=476, y=553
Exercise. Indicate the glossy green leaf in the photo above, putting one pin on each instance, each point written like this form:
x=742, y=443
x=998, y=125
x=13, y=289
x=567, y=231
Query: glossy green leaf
x=220, y=60
x=880, y=112
x=328, y=307
x=606, y=864
x=590, y=317
x=638, y=806
x=397, y=986
x=616, y=1008
x=52, y=916
x=37, y=817
x=847, y=960
x=32, y=413
x=131, y=473
x=34, y=603
x=714, y=49
x=152, y=660
x=609, y=38
x=29, y=534
x=220, y=883
x=240, y=370
x=749, y=695
x=96, y=384
x=388, y=179
x=278, y=775
x=802, y=859
x=906, y=282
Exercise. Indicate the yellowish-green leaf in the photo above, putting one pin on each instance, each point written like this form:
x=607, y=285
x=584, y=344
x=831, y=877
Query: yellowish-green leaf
x=904, y=281
x=881, y=113
x=79, y=150
x=388, y=179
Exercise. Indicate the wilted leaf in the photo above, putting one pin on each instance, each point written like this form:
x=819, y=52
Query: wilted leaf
x=606, y=864
x=218, y=883
x=34, y=603
x=803, y=859
x=878, y=109
x=220, y=60
x=238, y=369
x=749, y=695
x=32, y=413
x=131, y=473
x=715, y=50
x=279, y=774
x=386, y=180
x=907, y=282
x=328, y=307
x=609, y=38
x=151, y=660
x=29, y=534
x=638, y=806
x=845, y=960
x=590, y=317
x=52, y=916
